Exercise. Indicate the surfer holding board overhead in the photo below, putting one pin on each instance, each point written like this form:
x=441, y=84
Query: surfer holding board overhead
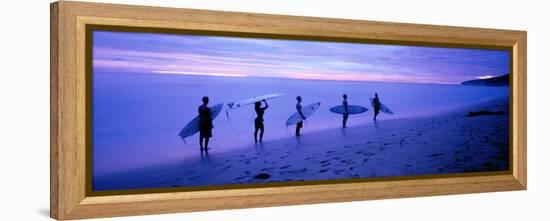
x=259, y=121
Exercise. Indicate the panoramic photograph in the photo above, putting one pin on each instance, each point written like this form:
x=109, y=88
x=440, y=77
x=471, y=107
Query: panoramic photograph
x=183, y=110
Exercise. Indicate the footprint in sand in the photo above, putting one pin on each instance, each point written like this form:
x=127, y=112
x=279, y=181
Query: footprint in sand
x=164, y=182
x=195, y=177
x=262, y=176
x=294, y=171
x=284, y=167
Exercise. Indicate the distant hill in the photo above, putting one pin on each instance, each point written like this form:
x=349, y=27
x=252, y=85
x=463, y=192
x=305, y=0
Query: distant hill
x=500, y=81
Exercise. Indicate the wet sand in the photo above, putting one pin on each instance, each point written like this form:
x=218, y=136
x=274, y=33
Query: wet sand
x=440, y=144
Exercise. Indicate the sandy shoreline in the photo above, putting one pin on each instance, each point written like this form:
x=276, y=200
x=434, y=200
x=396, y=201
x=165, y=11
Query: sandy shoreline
x=439, y=144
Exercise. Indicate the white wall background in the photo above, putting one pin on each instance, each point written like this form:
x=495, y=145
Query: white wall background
x=24, y=109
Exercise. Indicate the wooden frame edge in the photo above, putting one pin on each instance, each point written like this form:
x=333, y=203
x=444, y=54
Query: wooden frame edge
x=67, y=196
x=521, y=98
x=54, y=51
x=164, y=203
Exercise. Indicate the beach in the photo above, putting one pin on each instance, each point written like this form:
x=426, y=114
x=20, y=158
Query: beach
x=137, y=117
x=443, y=143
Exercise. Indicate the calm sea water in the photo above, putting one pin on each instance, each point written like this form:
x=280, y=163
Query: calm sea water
x=137, y=117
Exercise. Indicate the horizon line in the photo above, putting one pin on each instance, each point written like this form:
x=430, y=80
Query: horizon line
x=230, y=75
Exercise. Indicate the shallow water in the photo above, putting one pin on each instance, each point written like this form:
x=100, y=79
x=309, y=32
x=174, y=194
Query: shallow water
x=137, y=117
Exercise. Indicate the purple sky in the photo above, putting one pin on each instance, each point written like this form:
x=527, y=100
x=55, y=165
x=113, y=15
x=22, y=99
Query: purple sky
x=249, y=57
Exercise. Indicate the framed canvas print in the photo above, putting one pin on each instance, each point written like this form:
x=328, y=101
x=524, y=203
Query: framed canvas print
x=159, y=110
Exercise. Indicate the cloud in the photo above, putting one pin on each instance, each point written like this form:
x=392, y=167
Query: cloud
x=200, y=73
x=231, y=56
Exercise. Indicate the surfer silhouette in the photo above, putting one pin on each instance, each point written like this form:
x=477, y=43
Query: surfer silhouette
x=376, y=105
x=346, y=111
x=300, y=124
x=205, y=123
x=259, y=121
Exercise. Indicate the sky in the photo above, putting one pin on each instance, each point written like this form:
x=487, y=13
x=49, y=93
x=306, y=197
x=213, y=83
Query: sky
x=132, y=52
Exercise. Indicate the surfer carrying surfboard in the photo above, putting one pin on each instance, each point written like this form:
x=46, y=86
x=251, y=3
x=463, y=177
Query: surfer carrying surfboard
x=346, y=110
x=376, y=105
x=259, y=121
x=205, y=123
x=300, y=124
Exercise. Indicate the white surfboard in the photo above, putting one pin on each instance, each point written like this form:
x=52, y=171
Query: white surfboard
x=253, y=100
x=383, y=107
x=194, y=125
x=352, y=109
x=307, y=111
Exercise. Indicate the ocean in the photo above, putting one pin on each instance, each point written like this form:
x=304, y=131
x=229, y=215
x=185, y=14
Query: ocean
x=137, y=117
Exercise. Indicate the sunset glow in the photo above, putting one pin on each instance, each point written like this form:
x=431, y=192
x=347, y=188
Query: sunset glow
x=122, y=52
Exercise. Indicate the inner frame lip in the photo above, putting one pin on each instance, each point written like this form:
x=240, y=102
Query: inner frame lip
x=90, y=28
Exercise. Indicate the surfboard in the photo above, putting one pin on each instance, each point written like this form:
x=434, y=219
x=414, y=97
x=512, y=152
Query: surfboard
x=253, y=100
x=307, y=111
x=383, y=107
x=193, y=126
x=352, y=109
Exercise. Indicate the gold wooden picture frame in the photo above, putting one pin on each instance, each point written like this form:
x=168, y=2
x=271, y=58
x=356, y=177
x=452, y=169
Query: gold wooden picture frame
x=70, y=155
